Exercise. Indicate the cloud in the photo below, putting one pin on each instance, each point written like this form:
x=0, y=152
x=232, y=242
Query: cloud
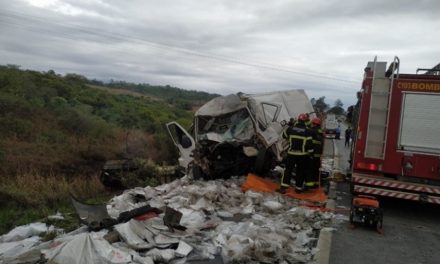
x=222, y=46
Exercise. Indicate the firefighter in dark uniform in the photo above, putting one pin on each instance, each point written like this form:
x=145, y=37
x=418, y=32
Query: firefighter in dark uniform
x=307, y=121
x=318, y=143
x=298, y=154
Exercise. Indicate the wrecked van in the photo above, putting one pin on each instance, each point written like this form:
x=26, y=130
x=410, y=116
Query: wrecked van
x=237, y=133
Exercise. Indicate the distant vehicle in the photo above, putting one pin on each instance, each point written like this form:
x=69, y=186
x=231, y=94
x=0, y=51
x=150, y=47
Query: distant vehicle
x=236, y=134
x=331, y=125
x=396, y=150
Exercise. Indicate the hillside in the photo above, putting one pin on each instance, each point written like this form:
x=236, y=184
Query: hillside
x=69, y=120
x=57, y=131
x=180, y=98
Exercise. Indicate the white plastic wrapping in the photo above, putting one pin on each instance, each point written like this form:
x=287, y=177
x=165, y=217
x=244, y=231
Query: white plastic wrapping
x=86, y=248
x=219, y=217
x=25, y=231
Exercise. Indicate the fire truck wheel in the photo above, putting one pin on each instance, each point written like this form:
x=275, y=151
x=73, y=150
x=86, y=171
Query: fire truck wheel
x=351, y=187
x=351, y=216
x=379, y=224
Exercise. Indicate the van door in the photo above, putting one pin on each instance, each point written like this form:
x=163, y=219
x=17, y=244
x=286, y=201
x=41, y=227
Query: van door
x=183, y=141
x=270, y=111
x=272, y=128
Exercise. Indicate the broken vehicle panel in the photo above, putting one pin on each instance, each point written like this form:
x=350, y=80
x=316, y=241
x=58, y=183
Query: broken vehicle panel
x=96, y=216
x=183, y=141
x=236, y=134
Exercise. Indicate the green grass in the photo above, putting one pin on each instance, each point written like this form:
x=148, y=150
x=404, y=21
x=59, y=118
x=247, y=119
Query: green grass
x=11, y=216
x=32, y=198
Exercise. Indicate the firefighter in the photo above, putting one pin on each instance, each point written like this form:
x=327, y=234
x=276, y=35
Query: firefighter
x=307, y=121
x=291, y=122
x=298, y=154
x=347, y=136
x=318, y=142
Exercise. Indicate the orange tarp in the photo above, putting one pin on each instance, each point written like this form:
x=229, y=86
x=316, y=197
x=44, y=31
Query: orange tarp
x=256, y=183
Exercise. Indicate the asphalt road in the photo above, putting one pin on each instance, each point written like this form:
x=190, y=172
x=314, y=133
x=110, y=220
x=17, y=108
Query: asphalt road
x=411, y=230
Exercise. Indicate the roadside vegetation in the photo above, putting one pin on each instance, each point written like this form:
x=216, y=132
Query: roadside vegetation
x=57, y=131
x=322, y=107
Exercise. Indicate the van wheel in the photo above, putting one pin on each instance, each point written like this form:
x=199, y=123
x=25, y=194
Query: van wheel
x=197, y=172
x=263, y=162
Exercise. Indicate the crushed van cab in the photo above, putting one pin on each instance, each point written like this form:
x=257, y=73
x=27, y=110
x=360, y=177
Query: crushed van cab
x=238, y=133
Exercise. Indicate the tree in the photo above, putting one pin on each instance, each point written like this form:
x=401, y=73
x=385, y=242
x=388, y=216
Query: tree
x=13, y=66
x=337, y=108
x=339, y=103
x=319, y=105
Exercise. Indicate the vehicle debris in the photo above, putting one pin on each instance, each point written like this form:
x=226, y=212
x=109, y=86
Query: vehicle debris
x=228, y=226
x=26, y=231
x=114, y=171
x=96, y=217
x=237, y=134
x=124, y=174
x=20, y=244
x=57, y=216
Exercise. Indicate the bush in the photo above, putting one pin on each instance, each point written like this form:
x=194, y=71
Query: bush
x=12, y=126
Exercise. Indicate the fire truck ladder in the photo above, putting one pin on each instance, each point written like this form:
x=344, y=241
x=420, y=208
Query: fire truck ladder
x=379, y=108
x=434, y=71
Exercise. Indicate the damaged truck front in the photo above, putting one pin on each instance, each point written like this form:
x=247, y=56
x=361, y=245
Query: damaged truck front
x=237, y=134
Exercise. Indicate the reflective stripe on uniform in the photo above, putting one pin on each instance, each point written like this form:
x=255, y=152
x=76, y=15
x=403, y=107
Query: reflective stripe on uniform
x=311, y=184
x=282, y=181
x=304, y=139
x=302, y=151
x=310, y=151
x=297, y=153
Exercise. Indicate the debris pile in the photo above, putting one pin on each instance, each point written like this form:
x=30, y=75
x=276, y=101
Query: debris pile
x=218, y=221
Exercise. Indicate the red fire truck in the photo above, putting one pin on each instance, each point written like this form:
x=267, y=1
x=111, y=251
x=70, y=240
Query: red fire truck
x=396, y=149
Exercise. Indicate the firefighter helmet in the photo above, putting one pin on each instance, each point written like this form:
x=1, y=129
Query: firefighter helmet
x=316, y=121
x=302, y=117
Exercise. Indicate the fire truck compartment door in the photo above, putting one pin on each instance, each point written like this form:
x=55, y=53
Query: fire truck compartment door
x=420, y=123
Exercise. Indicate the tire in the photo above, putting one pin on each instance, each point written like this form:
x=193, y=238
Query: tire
x=379, y=224
x=262, y=162
x=197, y=172
x=352, y=188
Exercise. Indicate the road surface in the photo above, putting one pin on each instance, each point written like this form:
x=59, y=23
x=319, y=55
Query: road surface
x=411, y=230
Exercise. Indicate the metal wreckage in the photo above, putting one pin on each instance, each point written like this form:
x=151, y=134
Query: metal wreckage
x=238, y=133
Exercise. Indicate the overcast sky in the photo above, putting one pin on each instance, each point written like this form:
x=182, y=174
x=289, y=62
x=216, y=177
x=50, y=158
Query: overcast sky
x=222, y=46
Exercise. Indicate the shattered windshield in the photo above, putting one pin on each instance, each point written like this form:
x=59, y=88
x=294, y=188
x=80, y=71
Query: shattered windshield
x=231, y=126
